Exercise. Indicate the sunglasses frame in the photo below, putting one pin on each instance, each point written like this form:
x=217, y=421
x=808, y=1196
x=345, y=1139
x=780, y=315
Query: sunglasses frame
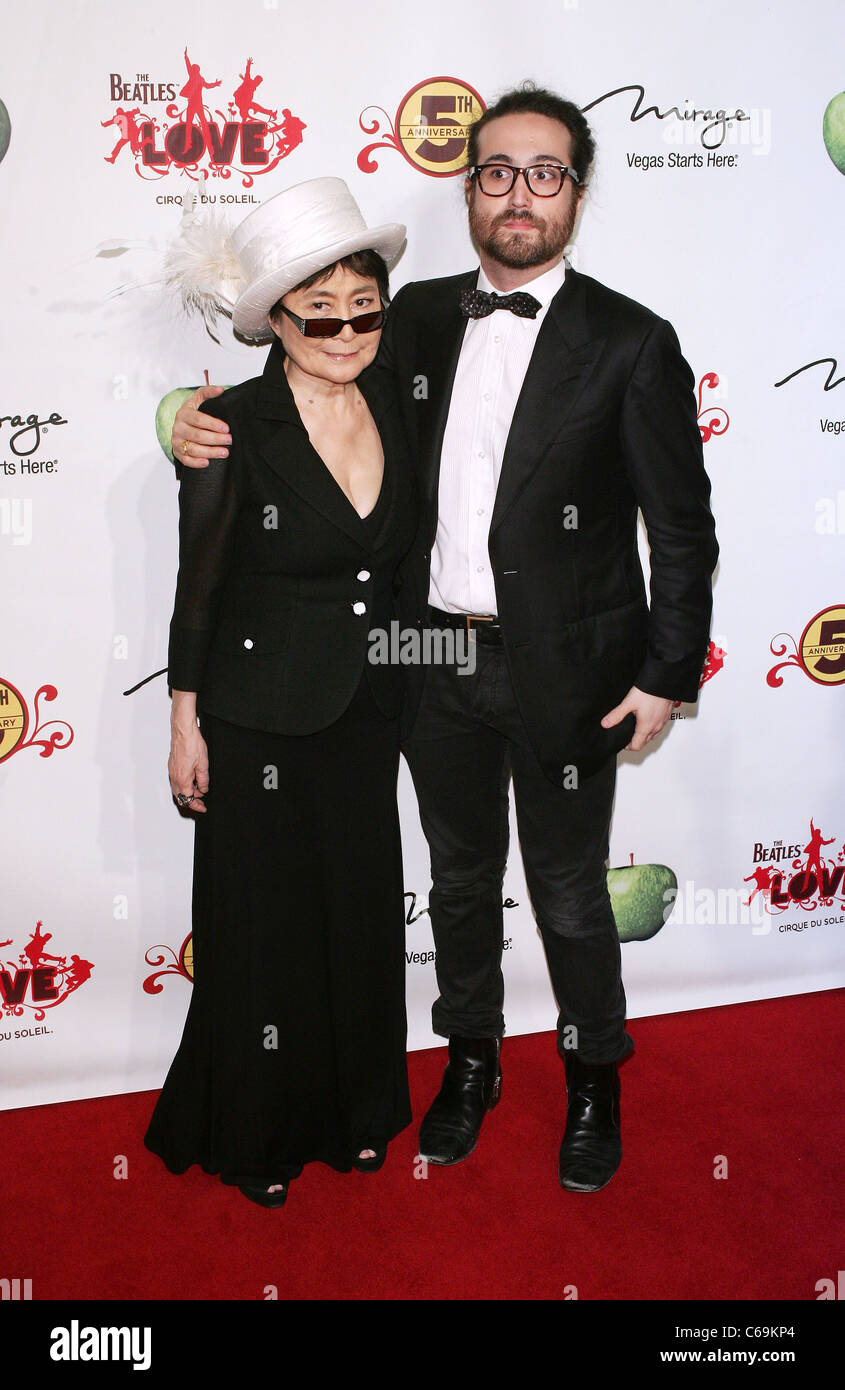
x=305, y=324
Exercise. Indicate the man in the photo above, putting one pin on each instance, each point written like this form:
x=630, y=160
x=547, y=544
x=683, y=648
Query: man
x=544, y=410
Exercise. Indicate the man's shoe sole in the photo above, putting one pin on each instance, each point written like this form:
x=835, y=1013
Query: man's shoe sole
x=448, y=1162
x=582, y=1187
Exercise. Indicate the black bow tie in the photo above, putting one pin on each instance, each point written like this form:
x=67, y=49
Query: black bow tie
x=477, y=304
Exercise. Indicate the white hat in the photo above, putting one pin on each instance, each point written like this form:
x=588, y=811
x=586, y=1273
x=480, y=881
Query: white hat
x=300, y=231
x=294, y=234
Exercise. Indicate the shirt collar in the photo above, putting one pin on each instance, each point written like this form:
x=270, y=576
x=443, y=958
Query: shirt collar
x=544, y=287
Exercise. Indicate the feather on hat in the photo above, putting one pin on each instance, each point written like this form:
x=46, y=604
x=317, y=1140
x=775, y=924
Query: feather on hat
x=242, y=273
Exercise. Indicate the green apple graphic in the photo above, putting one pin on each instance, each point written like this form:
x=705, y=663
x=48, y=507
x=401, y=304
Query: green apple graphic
x=5, y=130
x=833, y=130
x=166, y=414
x=641, y=899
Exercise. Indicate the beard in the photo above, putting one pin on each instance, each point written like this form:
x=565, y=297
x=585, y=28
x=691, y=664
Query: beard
x=514, y=249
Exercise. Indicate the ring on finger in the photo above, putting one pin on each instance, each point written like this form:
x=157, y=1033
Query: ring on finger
x=184, y=446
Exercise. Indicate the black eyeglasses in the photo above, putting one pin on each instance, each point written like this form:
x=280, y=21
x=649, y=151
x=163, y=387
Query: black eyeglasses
x=329, y=328
x=544, y=180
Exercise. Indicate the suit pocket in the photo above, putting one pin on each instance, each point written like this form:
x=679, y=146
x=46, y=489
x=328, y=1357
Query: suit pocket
x=258, y=619
x=266, y=634
x=582, y=424
x=608, y=636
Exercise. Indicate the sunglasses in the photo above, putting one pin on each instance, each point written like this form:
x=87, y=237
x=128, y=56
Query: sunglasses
x=329, y=328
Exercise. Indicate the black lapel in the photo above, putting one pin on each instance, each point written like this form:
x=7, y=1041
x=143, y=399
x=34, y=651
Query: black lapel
x=284, y=446
x=384, y=408
x=565, y=352
x=440, y=338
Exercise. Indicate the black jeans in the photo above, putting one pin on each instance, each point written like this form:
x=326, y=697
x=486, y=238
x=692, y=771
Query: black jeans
x=467, y=741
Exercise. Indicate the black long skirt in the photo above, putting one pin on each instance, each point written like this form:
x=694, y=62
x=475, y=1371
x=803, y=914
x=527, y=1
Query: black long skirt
x=294, y=1046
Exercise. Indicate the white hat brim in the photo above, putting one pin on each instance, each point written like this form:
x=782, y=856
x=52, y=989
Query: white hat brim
x=249, y=315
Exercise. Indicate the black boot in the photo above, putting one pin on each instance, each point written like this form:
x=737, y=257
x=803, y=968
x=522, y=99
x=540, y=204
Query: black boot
x=472, y=1084
x=592, y=1145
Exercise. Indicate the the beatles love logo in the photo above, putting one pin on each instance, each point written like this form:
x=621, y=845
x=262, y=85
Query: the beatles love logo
x=38, y=980
x=196, y=138
x=789, y=876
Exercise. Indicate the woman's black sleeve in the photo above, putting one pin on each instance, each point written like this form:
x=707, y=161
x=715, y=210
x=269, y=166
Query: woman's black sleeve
x=209, y=502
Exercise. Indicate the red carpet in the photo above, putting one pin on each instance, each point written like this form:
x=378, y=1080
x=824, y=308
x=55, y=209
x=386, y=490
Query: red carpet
x=757, y=1083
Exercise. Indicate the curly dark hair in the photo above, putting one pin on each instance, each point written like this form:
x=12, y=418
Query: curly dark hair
x=541, y=102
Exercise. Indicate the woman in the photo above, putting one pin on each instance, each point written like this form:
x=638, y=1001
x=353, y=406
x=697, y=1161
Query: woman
x=285, y=738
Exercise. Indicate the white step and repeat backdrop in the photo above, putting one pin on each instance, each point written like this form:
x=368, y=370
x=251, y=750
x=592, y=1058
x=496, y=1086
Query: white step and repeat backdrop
x=718, y=201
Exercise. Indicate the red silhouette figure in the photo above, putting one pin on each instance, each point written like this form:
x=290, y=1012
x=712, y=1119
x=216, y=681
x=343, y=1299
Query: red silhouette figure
x=34, y=949
x=713, y=662
x=129, y=131
x=763, y=879
x=292, y=128
x=77, y=973
x=193, y=90
x=814, y=863
x=243, y=95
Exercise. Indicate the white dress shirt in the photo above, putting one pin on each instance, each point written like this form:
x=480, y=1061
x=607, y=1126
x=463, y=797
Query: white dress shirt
x=495, y=354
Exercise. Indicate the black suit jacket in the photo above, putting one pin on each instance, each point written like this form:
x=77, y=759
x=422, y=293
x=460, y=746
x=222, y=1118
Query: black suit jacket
x=606, y=423
x=272, y=557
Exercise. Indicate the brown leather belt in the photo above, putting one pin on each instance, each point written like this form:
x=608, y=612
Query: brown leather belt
x=487, y=629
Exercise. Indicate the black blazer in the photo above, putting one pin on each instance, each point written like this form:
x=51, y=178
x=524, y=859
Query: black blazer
x=605, y=422
x=272, y=558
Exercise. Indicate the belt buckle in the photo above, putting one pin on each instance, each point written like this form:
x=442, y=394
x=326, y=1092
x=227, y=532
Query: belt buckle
x=476, y=618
